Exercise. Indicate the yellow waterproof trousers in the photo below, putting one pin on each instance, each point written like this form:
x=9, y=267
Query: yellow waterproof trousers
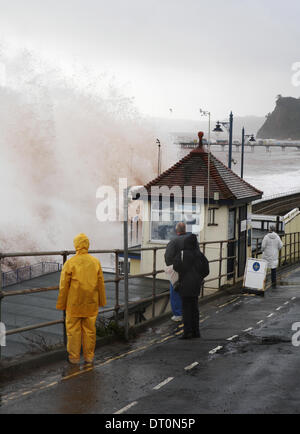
x=81, y=332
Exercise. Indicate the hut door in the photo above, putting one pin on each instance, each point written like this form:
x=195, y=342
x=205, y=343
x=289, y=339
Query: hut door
x=242, y=240
x=231, y=246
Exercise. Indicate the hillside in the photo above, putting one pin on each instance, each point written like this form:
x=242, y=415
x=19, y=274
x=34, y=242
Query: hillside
x=284, y=122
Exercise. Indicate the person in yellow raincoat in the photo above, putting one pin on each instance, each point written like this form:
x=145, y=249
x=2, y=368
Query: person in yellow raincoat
x=81, y=293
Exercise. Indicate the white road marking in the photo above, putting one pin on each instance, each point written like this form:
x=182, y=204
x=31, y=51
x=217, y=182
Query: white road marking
x=233, y=337
x=159, y=386
x=280, y=307
x=294, y=298
x=287, y=302
x=215, y=350
x=271, y=314
x=248, y=330
x=188, y=368
x=126, y=408
x=260, y=322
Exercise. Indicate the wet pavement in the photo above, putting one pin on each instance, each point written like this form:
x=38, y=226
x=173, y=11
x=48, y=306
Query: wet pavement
x=245, y=362
x=24, y=310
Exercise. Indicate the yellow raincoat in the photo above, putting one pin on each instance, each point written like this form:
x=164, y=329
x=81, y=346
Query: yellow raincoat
x=81, y=293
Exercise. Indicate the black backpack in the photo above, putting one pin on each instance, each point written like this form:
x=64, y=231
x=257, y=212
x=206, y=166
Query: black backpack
x=202, y=265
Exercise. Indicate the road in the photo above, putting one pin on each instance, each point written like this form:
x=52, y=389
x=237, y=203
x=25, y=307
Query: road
x=244, y=363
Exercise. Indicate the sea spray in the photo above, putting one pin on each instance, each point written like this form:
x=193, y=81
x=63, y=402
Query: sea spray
x=60, y=139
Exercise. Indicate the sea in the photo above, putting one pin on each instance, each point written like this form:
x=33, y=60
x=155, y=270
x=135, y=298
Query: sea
x=274, y=172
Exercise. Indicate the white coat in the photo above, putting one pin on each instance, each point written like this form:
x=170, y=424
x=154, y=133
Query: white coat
x=270, y=246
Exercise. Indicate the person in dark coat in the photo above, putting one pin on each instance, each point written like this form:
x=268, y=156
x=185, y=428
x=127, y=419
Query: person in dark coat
x=173, y=249
x=190, y=281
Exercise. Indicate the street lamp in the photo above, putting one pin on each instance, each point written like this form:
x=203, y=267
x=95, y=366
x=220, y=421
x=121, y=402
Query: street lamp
x=229, y=127
x=218, y=130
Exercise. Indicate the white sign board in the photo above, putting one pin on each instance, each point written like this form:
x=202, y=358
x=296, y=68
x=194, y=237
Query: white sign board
x=243, y=225
x=255, y=274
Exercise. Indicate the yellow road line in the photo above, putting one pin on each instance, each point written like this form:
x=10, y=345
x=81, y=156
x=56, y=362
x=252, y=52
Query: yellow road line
x=231, y=301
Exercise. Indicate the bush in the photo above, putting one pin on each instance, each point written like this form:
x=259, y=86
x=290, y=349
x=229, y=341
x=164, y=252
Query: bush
x=109, y=327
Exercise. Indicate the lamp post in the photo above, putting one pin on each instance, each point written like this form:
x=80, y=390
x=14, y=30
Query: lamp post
x=125, y=242
x=229, y=127
x=207, y=113
x=159, y=157
x=252, y=139
x=230, y=139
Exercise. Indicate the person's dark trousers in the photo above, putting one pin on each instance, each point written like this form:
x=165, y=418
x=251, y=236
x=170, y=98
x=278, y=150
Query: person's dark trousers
x=273, y=276
x=190, y=313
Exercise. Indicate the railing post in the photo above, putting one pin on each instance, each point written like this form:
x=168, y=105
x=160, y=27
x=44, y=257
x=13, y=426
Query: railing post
x=256, y=253
x=220, y=264
x=285, y=242
x=154, y=282
x=1, y=298
x=117, y=282
x=125, y=242
x=202, y=289
x=65, y=258
x=235, y=262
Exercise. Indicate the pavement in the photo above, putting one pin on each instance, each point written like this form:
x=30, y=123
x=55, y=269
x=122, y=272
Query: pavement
x=24, y=310
x=247, y=361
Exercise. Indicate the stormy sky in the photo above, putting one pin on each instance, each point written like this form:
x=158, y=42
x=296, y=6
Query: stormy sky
x=221, y=56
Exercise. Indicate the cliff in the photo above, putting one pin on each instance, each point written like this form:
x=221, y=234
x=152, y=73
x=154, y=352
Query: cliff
x=284, y=122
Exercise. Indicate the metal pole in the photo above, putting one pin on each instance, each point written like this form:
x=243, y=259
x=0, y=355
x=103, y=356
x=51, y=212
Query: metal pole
x=243, y=150
x=159, y=157
x=126, y=316
x=1, y=297
x=65, y=258
x=220, y=264
x=117, y=281
x=230, y=140
x=208, y=174
x=154, y=283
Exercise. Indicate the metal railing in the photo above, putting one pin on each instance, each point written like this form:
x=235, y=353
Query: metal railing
x=219, y=277
x=290, y=252
x=29, y=272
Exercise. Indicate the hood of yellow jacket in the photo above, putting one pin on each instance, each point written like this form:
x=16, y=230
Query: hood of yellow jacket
x=81, y=243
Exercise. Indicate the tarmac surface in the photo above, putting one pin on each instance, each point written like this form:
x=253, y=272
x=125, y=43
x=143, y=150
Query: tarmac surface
x=25, y=310
x=245, y=362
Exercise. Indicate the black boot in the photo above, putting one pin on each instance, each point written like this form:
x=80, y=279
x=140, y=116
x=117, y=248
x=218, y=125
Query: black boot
x=186, y=336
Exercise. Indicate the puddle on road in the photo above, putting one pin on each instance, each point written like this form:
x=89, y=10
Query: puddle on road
x=249, y=343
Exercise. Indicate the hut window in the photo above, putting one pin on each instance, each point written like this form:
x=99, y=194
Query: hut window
x=165, y=218
x=212, y=217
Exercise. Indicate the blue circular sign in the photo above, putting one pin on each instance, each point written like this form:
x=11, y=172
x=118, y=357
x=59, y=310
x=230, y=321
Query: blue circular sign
x=256, y=266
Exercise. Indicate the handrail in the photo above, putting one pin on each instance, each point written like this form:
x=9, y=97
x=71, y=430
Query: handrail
x=31, y=269
x=154, y=273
